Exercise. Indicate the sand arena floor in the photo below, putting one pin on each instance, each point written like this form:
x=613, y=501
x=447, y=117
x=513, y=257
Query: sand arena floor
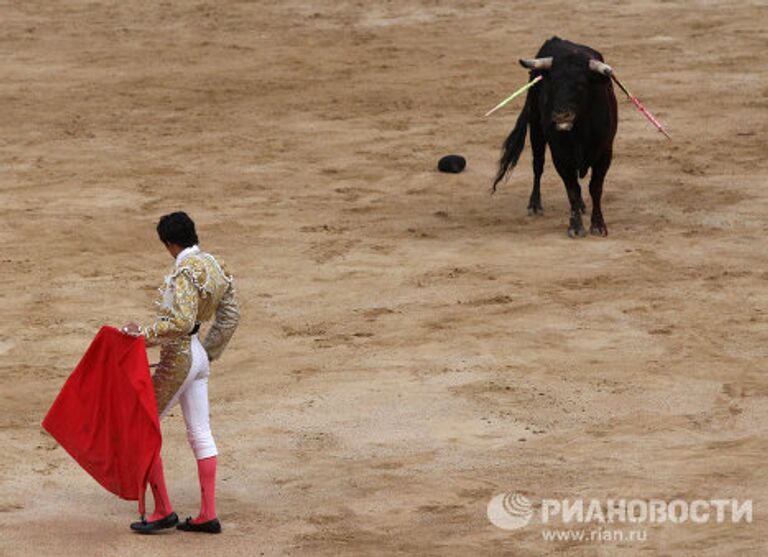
x=410, y=346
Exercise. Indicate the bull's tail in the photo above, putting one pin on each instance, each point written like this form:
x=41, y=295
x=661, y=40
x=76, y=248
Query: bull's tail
x=513, y=145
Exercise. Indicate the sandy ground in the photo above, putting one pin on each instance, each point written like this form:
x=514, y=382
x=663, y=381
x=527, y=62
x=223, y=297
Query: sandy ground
x=411, y=346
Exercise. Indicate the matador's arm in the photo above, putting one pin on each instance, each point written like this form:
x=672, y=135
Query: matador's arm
x=224, y=325
x=179, y=319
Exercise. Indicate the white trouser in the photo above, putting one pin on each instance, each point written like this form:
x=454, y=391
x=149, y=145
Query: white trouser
x=193, y=396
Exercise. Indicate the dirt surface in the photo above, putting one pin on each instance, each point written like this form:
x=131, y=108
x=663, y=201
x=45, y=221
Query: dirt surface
x=411, y=346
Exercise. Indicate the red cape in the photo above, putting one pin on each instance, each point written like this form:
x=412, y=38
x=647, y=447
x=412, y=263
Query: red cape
x=106, y=417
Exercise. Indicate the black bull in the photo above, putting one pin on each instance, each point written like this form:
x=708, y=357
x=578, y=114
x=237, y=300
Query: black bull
x=573, y=109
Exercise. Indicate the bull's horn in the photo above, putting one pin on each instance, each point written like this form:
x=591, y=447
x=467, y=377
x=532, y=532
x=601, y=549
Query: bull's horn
x=536, y=63
x=600, y=67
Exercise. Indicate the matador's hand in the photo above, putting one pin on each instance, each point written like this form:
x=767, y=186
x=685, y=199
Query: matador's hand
x=131, y=329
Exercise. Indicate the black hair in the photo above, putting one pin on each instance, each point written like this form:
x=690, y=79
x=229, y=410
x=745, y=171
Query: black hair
x=177, y=228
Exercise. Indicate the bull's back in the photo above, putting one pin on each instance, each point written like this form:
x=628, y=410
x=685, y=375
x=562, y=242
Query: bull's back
x=560, y=47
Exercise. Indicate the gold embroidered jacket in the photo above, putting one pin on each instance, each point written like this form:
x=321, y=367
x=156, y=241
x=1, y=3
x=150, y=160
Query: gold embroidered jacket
x=198, y=289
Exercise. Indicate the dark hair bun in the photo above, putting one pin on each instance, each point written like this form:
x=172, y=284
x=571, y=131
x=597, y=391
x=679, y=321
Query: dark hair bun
x=177, y=228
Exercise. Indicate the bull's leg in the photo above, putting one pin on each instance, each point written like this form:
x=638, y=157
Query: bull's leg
x=539, y=148
x=575, y=227
x=573, y=189
x=599, y=171
x=582, y=206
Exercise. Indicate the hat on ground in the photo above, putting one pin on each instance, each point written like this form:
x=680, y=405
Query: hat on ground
x=452, y=163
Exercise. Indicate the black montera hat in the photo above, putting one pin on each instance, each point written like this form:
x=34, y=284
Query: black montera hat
x=452, y=163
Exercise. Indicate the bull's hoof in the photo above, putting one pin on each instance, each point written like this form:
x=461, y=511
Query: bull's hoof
x=575, y=227
x=598, y=230
x=534, y=210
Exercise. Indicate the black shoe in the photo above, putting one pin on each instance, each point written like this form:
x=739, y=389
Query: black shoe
x=144, y=527
x=210, y=527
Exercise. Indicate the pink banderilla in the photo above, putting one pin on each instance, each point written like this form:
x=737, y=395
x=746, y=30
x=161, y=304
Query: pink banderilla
x=640, y=107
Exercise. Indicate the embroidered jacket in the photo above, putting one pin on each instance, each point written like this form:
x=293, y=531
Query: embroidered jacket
x=197, y=290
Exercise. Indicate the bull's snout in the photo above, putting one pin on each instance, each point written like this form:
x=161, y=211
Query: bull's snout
x=563, y=120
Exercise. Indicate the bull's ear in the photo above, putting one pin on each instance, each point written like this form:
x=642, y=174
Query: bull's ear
x=536, y=63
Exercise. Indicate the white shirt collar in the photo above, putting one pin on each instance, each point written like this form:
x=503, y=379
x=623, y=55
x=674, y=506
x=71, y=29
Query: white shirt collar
x=186, y=252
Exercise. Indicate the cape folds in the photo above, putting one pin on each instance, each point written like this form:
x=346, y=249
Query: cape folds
x=105, y=415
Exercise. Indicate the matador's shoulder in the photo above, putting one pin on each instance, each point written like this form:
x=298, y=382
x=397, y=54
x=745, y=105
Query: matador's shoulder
x=194, y=269
x=205, y=271
x=223, y=268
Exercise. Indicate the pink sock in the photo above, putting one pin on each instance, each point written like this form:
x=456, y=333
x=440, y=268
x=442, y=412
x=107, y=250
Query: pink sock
x=206, y=471
x=157, y=482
